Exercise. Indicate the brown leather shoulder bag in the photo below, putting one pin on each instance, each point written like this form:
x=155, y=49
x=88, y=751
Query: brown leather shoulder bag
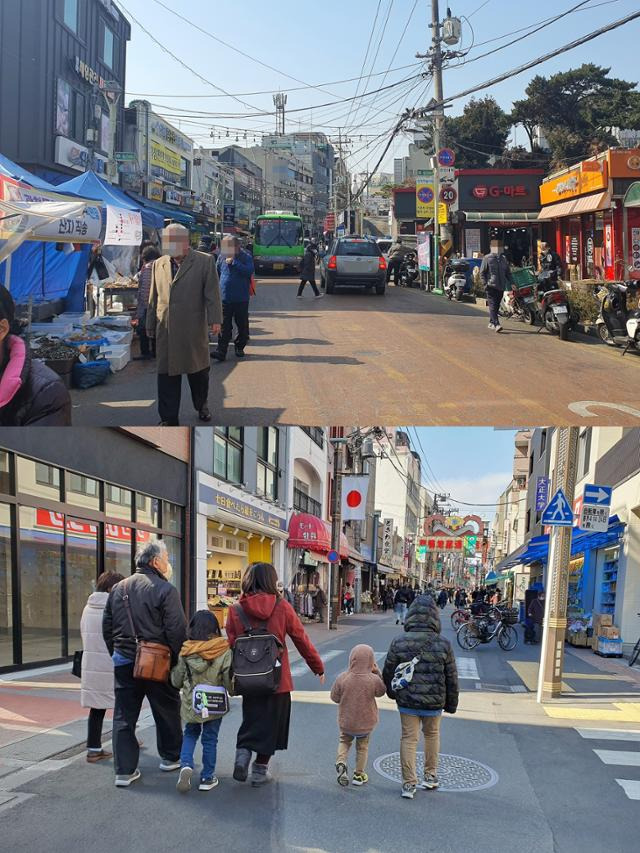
x=153, y=660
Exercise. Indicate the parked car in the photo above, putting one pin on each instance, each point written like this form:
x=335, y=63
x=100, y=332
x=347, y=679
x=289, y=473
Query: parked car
x=354, y=262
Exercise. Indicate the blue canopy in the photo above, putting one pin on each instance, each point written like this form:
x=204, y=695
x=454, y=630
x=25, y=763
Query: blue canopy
x=13, y=170
x=89, y=185
x=168, y=212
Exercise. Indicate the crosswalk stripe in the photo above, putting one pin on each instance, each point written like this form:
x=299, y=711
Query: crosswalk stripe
x=300, y=668
x=625, y=758
x=631, y=787
x=467, y=669
x=608, y=734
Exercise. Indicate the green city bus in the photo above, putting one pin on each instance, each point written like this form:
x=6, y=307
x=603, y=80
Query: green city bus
x=278, y=242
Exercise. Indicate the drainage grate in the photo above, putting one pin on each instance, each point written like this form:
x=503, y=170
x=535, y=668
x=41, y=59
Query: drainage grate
x=455, y=772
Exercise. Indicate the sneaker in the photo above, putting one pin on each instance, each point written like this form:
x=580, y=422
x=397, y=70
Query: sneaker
x=169, y=766
x=498, y=328
x=298, y=296
x=343, y=774
x=492, y=326
x=218, y=356
x=124, y=780
x=98, y=755
x=239, y=353
x=430, y=783
x=408, y=790
x=241, y=766
x=359, y=779
x=260, y=774
x=320, y=296
x=184, y=779
x=208, y=784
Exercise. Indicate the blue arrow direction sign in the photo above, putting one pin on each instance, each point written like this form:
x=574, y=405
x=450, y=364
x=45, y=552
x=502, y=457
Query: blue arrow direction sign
x=558, y=512
x=597, y=495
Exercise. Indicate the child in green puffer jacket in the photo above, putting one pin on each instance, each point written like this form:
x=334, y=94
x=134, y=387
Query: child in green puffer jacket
x=205, y=658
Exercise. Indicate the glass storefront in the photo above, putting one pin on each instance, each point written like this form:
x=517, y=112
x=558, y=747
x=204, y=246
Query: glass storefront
x=58, y=531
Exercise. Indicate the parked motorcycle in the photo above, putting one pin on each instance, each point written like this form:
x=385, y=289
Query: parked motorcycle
x=409, y=272
x=618, y=326
x=455, y=278
x=551, y=306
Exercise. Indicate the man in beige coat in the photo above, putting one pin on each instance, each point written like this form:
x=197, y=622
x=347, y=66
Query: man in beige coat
x=184, y=303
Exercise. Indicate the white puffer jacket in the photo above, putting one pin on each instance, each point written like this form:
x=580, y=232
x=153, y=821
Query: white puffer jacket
x=97, y=666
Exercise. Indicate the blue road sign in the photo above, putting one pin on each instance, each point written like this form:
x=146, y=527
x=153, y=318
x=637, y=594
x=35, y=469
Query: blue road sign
x=597, y=495
x=333, y=557
x=559, y=512
x=446, y=157
x=542, y=493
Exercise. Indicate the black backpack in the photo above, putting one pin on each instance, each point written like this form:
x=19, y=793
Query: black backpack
x=257, y=665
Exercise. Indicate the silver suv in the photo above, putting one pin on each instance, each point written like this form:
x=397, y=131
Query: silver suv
x=354, y=262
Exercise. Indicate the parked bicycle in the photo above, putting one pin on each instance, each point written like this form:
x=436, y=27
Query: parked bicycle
x=635, y=653
x=498, y=624
x=459, y=617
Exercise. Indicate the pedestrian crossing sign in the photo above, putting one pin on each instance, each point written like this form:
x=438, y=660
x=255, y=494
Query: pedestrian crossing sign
x=558, y=512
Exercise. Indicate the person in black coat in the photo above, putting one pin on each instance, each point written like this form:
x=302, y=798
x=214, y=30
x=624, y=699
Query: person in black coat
x=157, y=617
x=308, y=271
x=443, y=598
x=30, y=393
x=432, y=689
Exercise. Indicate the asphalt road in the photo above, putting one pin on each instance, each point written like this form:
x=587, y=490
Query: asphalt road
x=546, y=791
x=407, y=356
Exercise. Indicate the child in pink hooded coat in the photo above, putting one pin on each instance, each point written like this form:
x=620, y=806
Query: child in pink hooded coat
x=355, y=692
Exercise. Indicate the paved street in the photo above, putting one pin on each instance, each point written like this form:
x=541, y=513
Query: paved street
x=566, y=777
x=408, y=352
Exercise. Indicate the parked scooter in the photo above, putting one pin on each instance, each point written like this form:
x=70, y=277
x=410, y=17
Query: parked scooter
x=618, y=326
x=455, y=278
x=409, y=273
x=551, y=306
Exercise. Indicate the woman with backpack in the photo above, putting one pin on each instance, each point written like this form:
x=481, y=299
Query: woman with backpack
x=257, y=627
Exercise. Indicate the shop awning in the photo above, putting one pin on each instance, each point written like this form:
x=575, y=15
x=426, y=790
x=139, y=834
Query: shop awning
x=167, y=211
x=312, y=533
x=586, y=204
x=519, y=217
x=632, y=197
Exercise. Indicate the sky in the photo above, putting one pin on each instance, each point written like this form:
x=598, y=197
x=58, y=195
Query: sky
x=473, y=464
x=326, y=43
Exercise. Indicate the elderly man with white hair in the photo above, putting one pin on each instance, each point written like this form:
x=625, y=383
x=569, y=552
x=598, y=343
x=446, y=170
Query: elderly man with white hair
x=144, y=607
x=184, y=304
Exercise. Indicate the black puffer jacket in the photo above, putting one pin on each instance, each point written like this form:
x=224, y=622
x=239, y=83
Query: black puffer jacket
x=308, y=265
x=157, y=614
x=434, y=686
x=42, y=399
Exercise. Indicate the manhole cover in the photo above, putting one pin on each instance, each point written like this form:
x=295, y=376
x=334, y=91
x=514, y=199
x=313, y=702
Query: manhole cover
x=454, y=772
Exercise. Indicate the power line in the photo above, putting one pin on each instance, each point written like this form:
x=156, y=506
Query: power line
x=364, y=61
x=375, y=58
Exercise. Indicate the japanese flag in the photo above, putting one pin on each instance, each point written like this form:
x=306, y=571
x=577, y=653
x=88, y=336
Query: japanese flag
x=354, y=498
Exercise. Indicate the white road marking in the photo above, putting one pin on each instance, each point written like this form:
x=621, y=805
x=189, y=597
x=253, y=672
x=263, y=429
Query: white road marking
x=622, y=757
x=467, y=669
x=301, y=668
x=583, y=408
x=631, y=787
x=608, y=734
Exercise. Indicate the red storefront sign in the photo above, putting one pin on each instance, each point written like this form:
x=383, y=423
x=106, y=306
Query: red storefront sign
x=310, y=532
x=113, y=532
x=445, y=543
x=481, y=191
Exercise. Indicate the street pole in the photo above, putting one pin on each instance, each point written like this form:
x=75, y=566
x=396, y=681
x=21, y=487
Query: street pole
x=555, y=609
x=438, y=116
x=336, y=530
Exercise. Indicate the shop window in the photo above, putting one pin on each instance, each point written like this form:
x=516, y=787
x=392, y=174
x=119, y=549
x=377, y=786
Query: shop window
x=174, y=550
x=227, y=453
x=82, y=491
x=543, y=441
x=117, y=502
x=147, y=509
x=41, y=561
x=70, y=14
x=6, y=588
x=109, y=40
x=267, y=484
x=171, y=517
x=38, y=479
x=6, y=480
x=81, y=571
x=117, y=549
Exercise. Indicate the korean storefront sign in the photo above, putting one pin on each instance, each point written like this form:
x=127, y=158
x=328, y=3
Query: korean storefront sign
x=217, y=499
x=88, y=74
x=155, y=191
x=573, y=183
x=165, y=158
x=499, y=190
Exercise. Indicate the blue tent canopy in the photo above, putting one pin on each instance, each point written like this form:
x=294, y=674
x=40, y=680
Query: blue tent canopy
x=13, y=170
x=89, y=185
x=168, y=212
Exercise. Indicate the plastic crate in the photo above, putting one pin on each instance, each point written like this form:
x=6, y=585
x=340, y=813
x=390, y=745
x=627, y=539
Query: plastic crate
x=523, y=276
x=51, y=330
x=608, y=647
x=118, y=355
x=510, y=616
x=117, y=338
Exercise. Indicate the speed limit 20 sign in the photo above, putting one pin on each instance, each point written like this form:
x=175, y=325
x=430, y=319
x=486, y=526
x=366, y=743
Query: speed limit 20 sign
x=448, y=195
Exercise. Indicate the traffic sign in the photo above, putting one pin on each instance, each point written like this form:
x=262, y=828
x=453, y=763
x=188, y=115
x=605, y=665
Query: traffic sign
x=597, y=495
x=333, y=557
x=446, y=157
x=559, y=512
x=125, y=156
x=425, y=194
x=447, y=174
x=448, y=195
x=594, y=518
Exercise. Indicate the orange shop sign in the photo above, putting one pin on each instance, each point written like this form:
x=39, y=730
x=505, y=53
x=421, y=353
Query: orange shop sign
x=575, y=182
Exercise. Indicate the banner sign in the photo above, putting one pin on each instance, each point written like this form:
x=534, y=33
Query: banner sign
x=387, y=541
x=542, y=493
x=165, y=158
x=424, y=251
x=124, y=227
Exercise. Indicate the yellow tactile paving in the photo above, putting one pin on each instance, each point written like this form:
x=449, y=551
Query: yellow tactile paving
x=619, y=712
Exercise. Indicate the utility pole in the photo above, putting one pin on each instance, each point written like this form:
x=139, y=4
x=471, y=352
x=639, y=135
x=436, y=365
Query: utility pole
x=336, y=530
x=438, y=117
x=555, y=609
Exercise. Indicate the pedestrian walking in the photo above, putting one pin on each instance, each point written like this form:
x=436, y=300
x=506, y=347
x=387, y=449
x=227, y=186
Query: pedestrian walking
x=425, y=687
x=184, y=304
x=536, y=615
x=147, y=344
x=401, y=603
x=308, y=271
x=235, y=268
x=495, y=273
x=443, y=598
x=265, y=717
x=284, y=593
x=96, y=680
x=388, y=599
x=348, y=600
x=355, y=692
x=145, y=608
x=30, y=392
x=204, y=662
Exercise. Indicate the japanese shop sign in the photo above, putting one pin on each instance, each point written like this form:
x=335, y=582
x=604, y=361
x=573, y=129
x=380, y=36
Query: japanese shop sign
x=215, y=499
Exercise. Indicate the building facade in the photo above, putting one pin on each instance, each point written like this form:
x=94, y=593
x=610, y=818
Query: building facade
x=287, y=183
x=70, y=511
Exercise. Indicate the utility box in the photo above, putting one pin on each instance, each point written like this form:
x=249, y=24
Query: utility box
x=451, y=30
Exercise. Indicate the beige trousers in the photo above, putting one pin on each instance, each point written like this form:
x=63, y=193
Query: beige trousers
x=409, y=743
x=362, y=750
